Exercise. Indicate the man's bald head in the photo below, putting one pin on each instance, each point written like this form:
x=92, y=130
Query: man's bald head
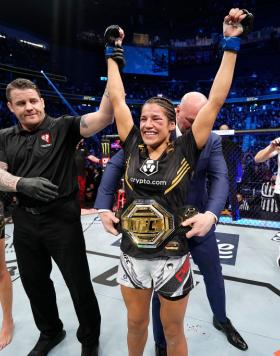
x=188, y=109
x=224, y=127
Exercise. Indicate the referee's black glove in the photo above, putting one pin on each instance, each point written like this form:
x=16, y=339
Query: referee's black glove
x=39, y=188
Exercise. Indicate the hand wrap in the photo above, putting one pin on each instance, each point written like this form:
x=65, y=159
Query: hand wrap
x=233, y=43
x=113, y=50
x=247, y=23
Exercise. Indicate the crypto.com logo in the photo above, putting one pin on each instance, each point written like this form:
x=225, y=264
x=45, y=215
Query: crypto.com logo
x=149, y=167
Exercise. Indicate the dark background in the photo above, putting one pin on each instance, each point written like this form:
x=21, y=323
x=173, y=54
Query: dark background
x=61, y=20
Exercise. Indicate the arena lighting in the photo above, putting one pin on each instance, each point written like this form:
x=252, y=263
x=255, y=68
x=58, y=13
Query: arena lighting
x=103, y=79
x=32, y=44
x=224, y=132
x=273, y=89
x=91, y=98
x=2, y=36
x=63, y=99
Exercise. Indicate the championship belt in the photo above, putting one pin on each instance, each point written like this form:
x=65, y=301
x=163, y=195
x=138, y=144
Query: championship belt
x=149, y=224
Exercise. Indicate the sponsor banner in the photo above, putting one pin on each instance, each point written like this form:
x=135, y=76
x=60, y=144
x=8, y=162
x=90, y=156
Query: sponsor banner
x=227, y=245
x=11, y=260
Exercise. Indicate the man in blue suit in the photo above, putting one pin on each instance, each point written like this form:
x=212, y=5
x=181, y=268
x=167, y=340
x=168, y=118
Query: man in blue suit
x=209, y=197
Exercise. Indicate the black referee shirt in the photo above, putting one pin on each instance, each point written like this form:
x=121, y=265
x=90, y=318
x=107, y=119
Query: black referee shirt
x=46, y=152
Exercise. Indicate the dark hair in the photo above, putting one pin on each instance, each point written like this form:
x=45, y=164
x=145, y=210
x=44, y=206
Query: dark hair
x=166, y=104
x=21, y=83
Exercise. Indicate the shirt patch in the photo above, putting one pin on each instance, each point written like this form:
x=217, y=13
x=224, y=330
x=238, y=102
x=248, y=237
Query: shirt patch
x=149, y=167
x=46, y=138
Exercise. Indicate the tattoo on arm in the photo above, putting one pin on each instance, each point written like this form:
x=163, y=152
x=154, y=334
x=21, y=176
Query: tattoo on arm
x=83, y=123
x=8, y=182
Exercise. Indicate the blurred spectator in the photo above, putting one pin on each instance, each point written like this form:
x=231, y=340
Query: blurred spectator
x=242, y=202
x=272, y=187
x=268, y=203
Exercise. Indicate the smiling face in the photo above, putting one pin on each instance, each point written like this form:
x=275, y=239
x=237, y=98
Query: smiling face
x=28, y=107
x=155, y=126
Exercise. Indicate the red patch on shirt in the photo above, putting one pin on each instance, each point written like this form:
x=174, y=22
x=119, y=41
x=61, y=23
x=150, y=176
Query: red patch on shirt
x=46, y=137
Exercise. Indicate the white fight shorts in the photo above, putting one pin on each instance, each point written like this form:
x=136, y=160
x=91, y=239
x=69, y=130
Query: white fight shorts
x=171, y=277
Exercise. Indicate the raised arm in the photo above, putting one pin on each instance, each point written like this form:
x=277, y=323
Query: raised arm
x=270, y=151
x=115, y=86
x=207, y=115
x=93, y=122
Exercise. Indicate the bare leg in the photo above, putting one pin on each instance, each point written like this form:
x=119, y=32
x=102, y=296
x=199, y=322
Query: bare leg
x=137, y=302
x=6, y=297
x=172, y=316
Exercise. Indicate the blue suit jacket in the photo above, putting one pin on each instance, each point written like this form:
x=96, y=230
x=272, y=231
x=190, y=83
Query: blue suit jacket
x=209, y=186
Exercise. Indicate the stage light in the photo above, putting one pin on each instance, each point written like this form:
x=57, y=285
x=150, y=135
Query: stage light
x=33, y=44
x=273, y=89
x=103, y=79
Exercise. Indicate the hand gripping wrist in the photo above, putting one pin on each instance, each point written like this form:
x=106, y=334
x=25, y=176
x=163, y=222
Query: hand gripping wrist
x=231, y=44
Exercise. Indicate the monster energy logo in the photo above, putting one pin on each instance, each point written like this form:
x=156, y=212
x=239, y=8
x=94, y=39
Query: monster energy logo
x=105, y=145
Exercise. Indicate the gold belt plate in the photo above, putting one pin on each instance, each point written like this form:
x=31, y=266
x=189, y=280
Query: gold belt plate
x=147, y=223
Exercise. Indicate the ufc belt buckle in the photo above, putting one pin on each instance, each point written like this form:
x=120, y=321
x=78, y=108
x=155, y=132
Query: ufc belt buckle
x=147, y=223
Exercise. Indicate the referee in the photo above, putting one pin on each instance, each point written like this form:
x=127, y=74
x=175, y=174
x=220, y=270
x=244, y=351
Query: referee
x=37, y=162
